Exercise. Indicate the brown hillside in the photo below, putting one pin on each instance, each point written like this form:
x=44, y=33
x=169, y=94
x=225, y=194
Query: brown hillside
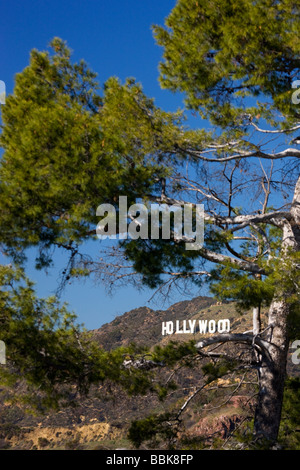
x=102, y=419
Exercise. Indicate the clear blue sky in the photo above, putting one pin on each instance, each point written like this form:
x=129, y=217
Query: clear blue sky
x=115, y=38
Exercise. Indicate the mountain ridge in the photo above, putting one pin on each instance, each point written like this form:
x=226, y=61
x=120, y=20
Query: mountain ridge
x=142, y=325
x=101, y=420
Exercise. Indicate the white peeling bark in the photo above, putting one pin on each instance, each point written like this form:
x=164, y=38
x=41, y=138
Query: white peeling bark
x=272, y=371
x=256, y=321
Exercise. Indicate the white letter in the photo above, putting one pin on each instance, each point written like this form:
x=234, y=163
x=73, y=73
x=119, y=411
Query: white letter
x=109, y=220
x=2, y=353
x=167, y=328
x=202, y=326
x=211, y=326
x=295, y=358
x=192, y=325
x=178, y=330
x=188, y=226
x=123, y=218
x=223, y=325
x=165, y=224
x=295, y=99
x=2, y=92
x=141, y=221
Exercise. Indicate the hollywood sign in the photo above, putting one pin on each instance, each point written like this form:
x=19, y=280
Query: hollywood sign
x=195, y=326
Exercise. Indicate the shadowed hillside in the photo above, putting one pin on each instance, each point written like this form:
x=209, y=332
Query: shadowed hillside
x=102, y=419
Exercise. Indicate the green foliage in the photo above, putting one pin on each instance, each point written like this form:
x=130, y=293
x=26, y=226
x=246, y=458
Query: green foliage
x=41, y=338
x=155, y=257
x=173, y=352
x=282, y=278
x=219, y=53
x=46, y=347
x=289, y=434
x=294, y=322
x=214, y=371
x=68, y=150
x=151, y=428
x=249, y=291
x=152, y=258
x=50, y=351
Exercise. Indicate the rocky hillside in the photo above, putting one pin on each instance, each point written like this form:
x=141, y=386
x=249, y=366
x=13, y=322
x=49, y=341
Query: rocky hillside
x=101, y=420
x=144, y=325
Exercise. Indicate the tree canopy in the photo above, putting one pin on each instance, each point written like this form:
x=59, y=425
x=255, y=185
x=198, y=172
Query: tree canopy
x=69, y=147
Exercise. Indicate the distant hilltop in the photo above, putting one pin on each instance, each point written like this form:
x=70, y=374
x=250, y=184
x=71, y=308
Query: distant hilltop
x=143, y=325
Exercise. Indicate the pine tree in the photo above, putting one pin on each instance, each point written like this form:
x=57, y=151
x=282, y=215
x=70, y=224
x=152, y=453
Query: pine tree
x=68, y=149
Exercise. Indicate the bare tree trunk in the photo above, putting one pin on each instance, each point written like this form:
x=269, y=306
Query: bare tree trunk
x=272, y=370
